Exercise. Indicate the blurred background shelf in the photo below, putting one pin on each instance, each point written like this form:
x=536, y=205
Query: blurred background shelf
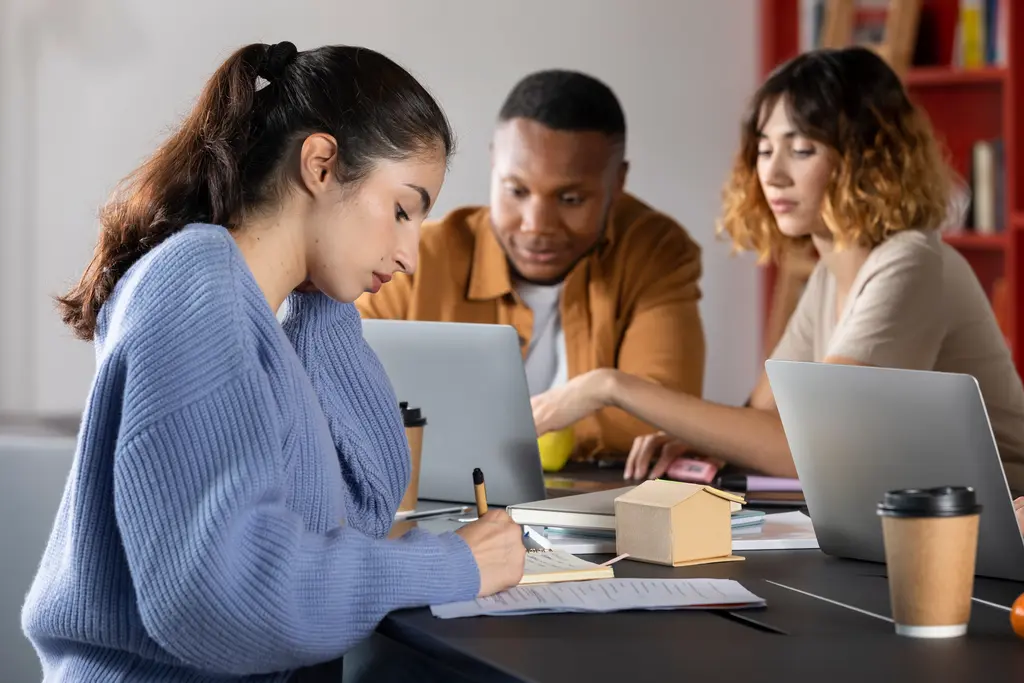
x=973, y=240
x=944, y=76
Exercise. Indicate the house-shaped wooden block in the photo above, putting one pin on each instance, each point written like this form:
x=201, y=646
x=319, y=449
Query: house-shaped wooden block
x=675, y=523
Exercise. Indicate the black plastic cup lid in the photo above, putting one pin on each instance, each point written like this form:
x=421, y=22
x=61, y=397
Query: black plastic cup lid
x=941, y=501
x=413, y=417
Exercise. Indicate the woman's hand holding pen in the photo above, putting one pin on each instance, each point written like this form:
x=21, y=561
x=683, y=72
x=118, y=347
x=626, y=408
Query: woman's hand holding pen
x=497, y=545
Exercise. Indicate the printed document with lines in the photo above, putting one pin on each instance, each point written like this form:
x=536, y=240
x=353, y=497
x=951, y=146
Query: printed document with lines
x=606, y=595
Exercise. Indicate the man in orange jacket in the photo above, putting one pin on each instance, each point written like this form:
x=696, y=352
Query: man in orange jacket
x=589, y=275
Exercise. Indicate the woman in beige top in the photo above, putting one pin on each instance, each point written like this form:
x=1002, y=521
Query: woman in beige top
x=834, y=152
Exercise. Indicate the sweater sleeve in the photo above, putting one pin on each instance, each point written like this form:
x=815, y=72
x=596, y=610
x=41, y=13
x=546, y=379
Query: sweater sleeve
x=327, y=336
x=227, y=578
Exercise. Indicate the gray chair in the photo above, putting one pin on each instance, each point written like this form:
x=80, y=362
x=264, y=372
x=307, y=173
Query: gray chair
x=33, y=471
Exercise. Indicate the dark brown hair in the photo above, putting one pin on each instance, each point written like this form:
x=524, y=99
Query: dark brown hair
x=230, y=154
x=890, y=174
x=566, y=100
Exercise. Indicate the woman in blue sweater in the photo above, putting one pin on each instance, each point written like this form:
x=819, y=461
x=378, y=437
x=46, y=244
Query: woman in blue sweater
x=236, y=478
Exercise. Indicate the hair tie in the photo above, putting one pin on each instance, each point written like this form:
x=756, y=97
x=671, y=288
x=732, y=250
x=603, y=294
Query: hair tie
x=276, y=59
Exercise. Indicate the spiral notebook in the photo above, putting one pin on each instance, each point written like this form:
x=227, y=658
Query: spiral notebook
x=552, y=566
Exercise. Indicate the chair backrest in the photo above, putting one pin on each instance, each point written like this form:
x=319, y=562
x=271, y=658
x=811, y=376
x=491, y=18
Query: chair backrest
x=33, y=473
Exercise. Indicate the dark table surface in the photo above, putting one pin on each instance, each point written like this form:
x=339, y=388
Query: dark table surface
x=800, y=632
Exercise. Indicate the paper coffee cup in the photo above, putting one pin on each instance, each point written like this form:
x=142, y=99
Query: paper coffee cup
x=414, y=423
x=931, y=540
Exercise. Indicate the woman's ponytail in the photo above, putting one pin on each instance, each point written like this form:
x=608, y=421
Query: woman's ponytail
x=231, y=155
x=195, y=176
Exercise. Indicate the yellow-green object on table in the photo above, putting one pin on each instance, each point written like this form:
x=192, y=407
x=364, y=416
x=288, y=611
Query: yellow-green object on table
x=555, y=449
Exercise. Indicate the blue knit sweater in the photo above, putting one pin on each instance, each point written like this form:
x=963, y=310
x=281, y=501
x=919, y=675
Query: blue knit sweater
x=233, y=487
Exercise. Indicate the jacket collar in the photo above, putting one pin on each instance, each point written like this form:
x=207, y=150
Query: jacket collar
x=489, y=276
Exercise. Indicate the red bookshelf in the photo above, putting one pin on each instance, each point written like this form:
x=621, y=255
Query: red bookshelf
x=965, y=105
x=974, y=241
x=944, y=76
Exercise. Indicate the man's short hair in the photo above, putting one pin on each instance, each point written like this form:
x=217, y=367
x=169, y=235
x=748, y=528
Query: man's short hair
x=566, y=100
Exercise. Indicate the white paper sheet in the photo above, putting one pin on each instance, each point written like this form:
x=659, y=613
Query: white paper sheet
x=606, y=595
x=582, y=545
x=780, y=531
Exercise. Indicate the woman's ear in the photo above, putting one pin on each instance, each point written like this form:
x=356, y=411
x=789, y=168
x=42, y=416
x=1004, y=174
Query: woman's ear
x=318, y=159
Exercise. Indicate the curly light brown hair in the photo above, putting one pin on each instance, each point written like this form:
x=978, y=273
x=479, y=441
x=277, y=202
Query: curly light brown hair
x=890, y=173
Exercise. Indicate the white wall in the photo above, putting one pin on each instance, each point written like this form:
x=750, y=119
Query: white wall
x=88, y=87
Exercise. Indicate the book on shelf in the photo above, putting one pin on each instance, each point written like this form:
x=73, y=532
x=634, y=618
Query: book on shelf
x=981, y=35
x=988, y=187
x=980, y=38
x=869, y=20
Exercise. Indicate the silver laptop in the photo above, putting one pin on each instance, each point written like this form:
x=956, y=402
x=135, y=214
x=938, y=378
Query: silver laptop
x=470, y=383
x=857, y=432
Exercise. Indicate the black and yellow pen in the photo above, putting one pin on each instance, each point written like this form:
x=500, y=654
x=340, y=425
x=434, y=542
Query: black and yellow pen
x=481, y=492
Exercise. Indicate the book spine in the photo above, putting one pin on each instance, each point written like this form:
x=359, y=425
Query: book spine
x=984, y=189
x=972, y=33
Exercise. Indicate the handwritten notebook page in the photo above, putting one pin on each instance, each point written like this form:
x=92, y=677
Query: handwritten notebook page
x=606, y=595
x=548, y=566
